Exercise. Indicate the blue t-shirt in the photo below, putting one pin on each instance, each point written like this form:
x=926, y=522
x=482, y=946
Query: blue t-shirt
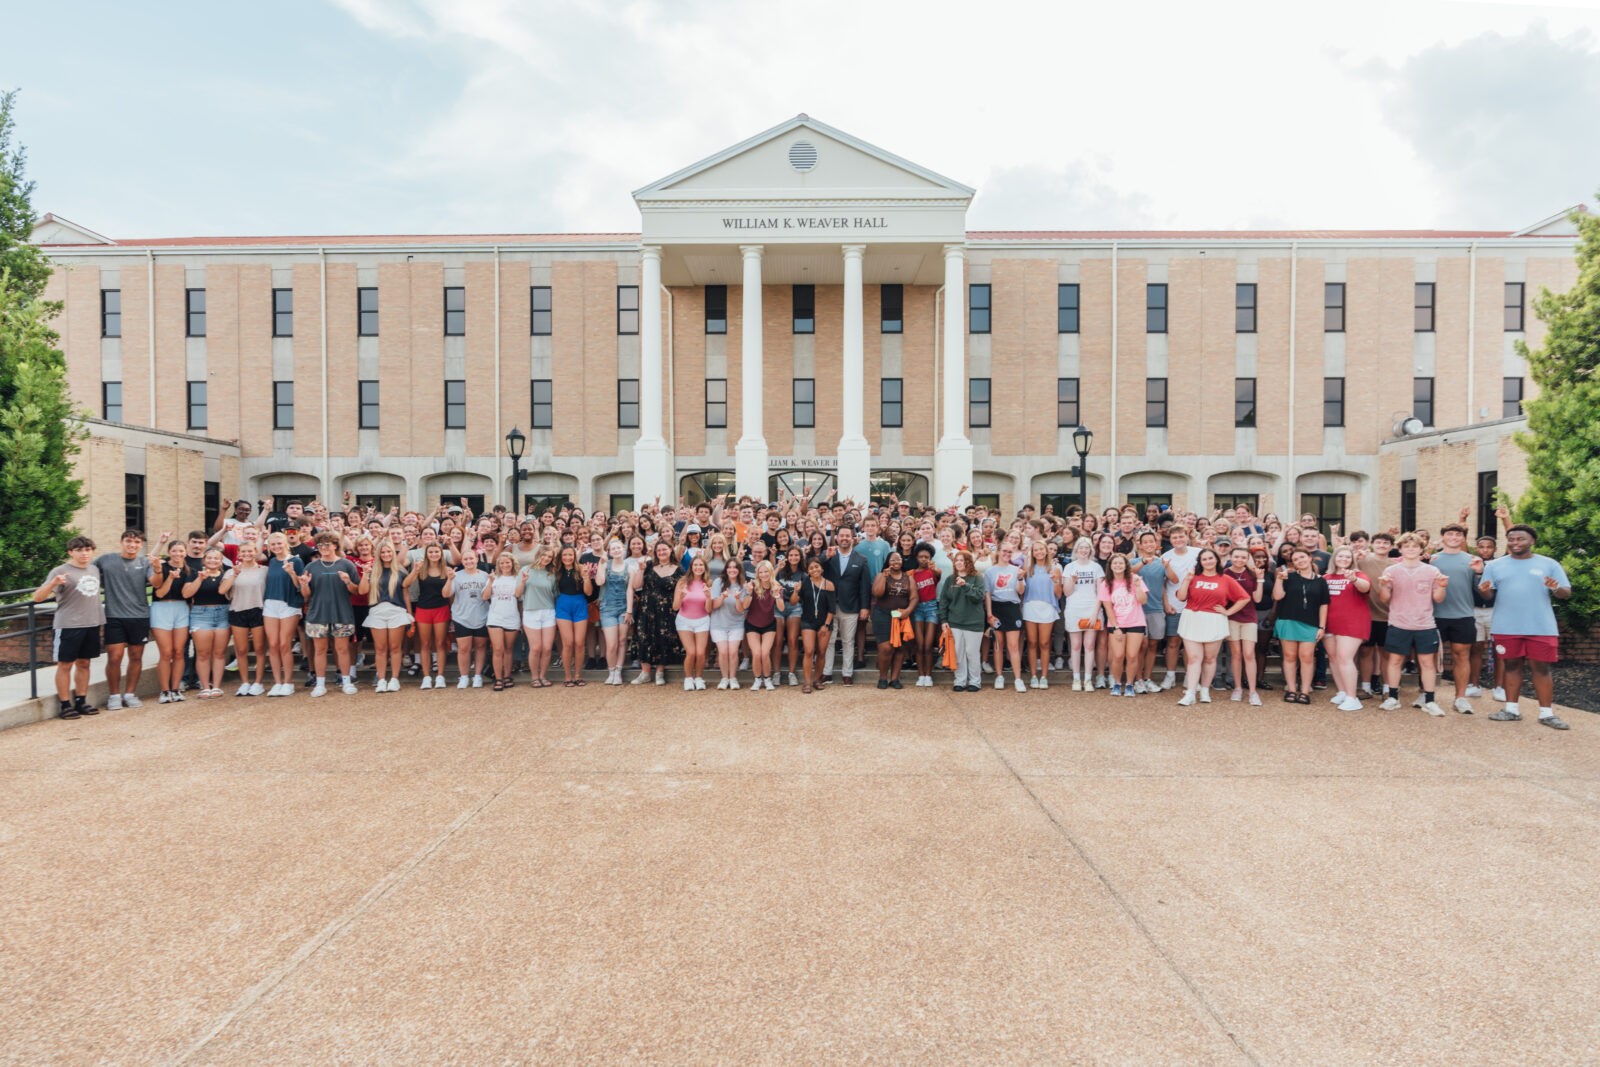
x=280, y=581
x=1154, y=574
x=876, y=552
x=1521, y=601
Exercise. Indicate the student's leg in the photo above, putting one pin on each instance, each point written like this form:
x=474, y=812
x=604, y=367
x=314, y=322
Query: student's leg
x=1544, y=683
x=1291, y=666
x=1208, y=672
x=1193, y=653
x=1308, y=661
x=64, y=681
x=1428, y=670
x=114, y=654
x=580, y=645
x=1118, y=642
x=565, y=627
x=80, y=673
x=341, y=653
x=1134, y=655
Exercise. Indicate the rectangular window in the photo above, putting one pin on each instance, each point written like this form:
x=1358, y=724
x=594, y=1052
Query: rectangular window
x=1244, y=307
x=111, y=401
x=621, y=502
x=1066, y=309
x=367, y=312
x=368, y=390
x=805, y=309
x=1333, y=307
x=1515, y=296
x=198, y=419
x=111, y=313
x=212, y=495
x=1333, y=401
x=1141, y=501
x=805, y=402
x=978, y=309
x=539, y=308
x=991, y=501
x=1511, y=398
x=1155, y=308
x=893, y=299
x=455, y=404
x=1408, y=505
x=1327, y=507
x=1422, y=399
x=627, y=403
x=133, y=501
x=283, y=405
x=1067, y=403
x=283, y=312
x=978, y=403
x=1423, y=307
x=1155, y=402
x=1227, y=502
x=892, y=408
x=194, y=306
x=1244, y=402
x=542, y=414
x=455, y=311
x=627, y=309
x=1488, y=482
x=716, y=309
x=716, y=403
x=1056, y=503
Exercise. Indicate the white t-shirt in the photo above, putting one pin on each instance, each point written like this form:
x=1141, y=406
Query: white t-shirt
x=1182, y=565
x=1080, y=580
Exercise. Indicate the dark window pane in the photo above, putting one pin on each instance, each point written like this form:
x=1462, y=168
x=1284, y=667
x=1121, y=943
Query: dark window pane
x=1333, y=307
x=455, y=404
x=805, y=309
x=1244, y=401
x=977, y=309
x=195, y=308
x=1155, y=309
x=283, y=312
x=542, y=414
x=1333, y=401
x=805, y=402
x=283, y=405
x=893, y=299
x=455, y=311
x=892, y=403
x=111, y=313
x=369, y=404
x=1515, y=294
x=1067, y=309
x=539, y=309
x=1511, y=392
x=1422, y=399
x=627, y=403
x=367, y=312
x=978, y=402
x=1244, y=307
x=198, y=416
x=111, y=401
x=1155, y=402
x=1067, y=402
x=716, y=309
x=1424, y=307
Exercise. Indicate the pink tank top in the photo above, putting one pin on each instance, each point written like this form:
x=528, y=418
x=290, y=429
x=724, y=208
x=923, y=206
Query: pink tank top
x=694, y=601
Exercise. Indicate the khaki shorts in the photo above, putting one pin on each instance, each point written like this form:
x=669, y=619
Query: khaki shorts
x=1241, y=631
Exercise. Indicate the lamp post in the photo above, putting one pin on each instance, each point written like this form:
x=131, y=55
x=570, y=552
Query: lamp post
x=1082, y=439
x=515, y=443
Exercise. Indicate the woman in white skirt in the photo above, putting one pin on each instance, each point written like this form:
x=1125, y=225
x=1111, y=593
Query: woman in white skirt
x=1210, y=598
x=388, y=615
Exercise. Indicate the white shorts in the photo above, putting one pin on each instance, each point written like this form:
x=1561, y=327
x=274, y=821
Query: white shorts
x=539, y=620
x=387, y=617
x=724, y=636
x=1038, y=611
x=694, y=626
x=1481, y=617
x=278, y=609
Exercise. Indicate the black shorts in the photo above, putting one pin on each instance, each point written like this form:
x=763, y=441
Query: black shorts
x=771, y=627
x=248, y=619
x=469, y=631
x=79, y=642
x=1380, y=632
x=1009, y=614
x=133, y=632
x=1400, y=642
x=1457, y=631
x=1139, y=630
x=812, y=626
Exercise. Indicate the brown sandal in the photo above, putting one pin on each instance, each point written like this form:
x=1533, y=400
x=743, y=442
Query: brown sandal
x=806, y=688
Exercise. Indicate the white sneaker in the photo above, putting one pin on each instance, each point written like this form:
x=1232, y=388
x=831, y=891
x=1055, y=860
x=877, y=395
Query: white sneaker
x=1077, y=684
x=988, y=668
x=644, y=676
x=771, y=685
x=256, y=689
x=1020, y=687
x=792, y=679
x=477, y=681
x=243, y=690
x=1473, y=691
x=427, y=683
x=999, y=683
x=233, y=664
x=1390, y=704
x=723, y=684
x=1337, y=698
x=700, y=683
x=1498, y=693
x=464, y=682
x=131, y=700
x=1463, y=705
x=165, y=698
x=688, y=685
x=1432, y=708
x=733, y=683
x=1033, y=681
x=1169, y=681
x=438, y=681
x=381, y=685
x=1187, y=698
x=348, y=686
x=1236, y=696
x=320, y=690
x=661, y=677
x=114, y=702
x=1350, y=704
x=1044, y=683
x=1100, y=682
x=1205, y=696
x=394, y=684
x=744, y=664
x=1366, y=690
x=1059, y=664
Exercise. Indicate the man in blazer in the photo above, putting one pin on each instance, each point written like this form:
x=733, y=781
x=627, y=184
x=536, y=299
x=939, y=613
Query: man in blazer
x=851, y=576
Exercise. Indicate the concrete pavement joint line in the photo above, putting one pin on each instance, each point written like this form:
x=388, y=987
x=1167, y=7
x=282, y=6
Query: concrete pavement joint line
x=386, y=885
x=1127, y=909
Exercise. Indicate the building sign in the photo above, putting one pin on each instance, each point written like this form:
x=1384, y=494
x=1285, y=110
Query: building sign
x=806, y=222
x=827, y=463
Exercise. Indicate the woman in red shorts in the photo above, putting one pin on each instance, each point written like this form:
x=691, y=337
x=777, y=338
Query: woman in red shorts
x=1349, y=625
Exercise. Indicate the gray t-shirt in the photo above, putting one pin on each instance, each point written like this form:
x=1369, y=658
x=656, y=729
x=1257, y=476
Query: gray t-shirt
x=330, y=600
x=78, y=604
x=467, y=606
x=127, y=585
x=1457, y=602
x=728, y=616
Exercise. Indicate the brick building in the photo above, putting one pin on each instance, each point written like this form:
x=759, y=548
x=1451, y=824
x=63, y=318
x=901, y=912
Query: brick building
x=805, y=310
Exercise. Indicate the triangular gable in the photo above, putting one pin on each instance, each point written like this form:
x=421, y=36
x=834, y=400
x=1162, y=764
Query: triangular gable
x=780, y=163
x=55, y=230
x=1557, y=225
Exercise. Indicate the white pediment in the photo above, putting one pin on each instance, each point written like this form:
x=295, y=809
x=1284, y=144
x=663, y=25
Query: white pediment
x=803, y=160
x=55, y=230
x=1557, y=225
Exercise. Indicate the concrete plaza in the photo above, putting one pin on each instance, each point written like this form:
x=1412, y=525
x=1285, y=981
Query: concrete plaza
x=648, y=875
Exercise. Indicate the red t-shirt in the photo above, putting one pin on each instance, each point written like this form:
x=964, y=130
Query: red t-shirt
x=1209, y=593
x=927, y=585
x=1349, y=612
x=1246, y=580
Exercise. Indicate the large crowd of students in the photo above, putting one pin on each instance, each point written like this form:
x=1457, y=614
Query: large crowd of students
x=793, y=591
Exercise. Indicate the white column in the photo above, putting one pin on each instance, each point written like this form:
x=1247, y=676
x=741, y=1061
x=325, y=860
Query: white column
x=652, y=459
x=750, y=456
x=855, y=454
x=952, y=456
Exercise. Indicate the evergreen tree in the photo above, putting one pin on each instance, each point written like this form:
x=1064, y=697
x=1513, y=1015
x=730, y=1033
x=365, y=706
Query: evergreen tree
x=38, y=434
x=1563, y=439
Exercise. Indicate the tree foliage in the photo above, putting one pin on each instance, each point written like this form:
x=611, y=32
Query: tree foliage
x=39, y=433
x=1563, y=439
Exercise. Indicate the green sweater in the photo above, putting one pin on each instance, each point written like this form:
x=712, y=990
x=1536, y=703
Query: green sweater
x=962, y=605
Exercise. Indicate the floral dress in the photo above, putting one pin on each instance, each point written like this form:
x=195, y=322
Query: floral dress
x=655, y=629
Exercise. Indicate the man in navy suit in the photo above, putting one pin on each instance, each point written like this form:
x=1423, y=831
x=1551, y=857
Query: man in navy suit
x=851, y=576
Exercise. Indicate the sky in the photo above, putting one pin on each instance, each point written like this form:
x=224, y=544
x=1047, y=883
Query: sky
x=500, y=116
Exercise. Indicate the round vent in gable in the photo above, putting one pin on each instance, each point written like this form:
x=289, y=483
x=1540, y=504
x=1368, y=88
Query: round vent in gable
x=802, y=155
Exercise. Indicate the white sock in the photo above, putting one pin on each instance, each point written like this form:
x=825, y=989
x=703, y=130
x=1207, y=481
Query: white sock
x=1547, y=713
x=1512, y=708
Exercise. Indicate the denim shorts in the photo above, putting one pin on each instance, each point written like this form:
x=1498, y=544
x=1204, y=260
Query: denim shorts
x=572, y=608
x=169, y=615
x=926, y=611
x=608, y=620
x=208, y=617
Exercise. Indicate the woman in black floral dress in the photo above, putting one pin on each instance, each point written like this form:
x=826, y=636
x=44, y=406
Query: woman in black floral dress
x=654, y=621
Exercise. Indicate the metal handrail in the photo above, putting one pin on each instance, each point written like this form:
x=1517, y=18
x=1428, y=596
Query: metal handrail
x=18, y=606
